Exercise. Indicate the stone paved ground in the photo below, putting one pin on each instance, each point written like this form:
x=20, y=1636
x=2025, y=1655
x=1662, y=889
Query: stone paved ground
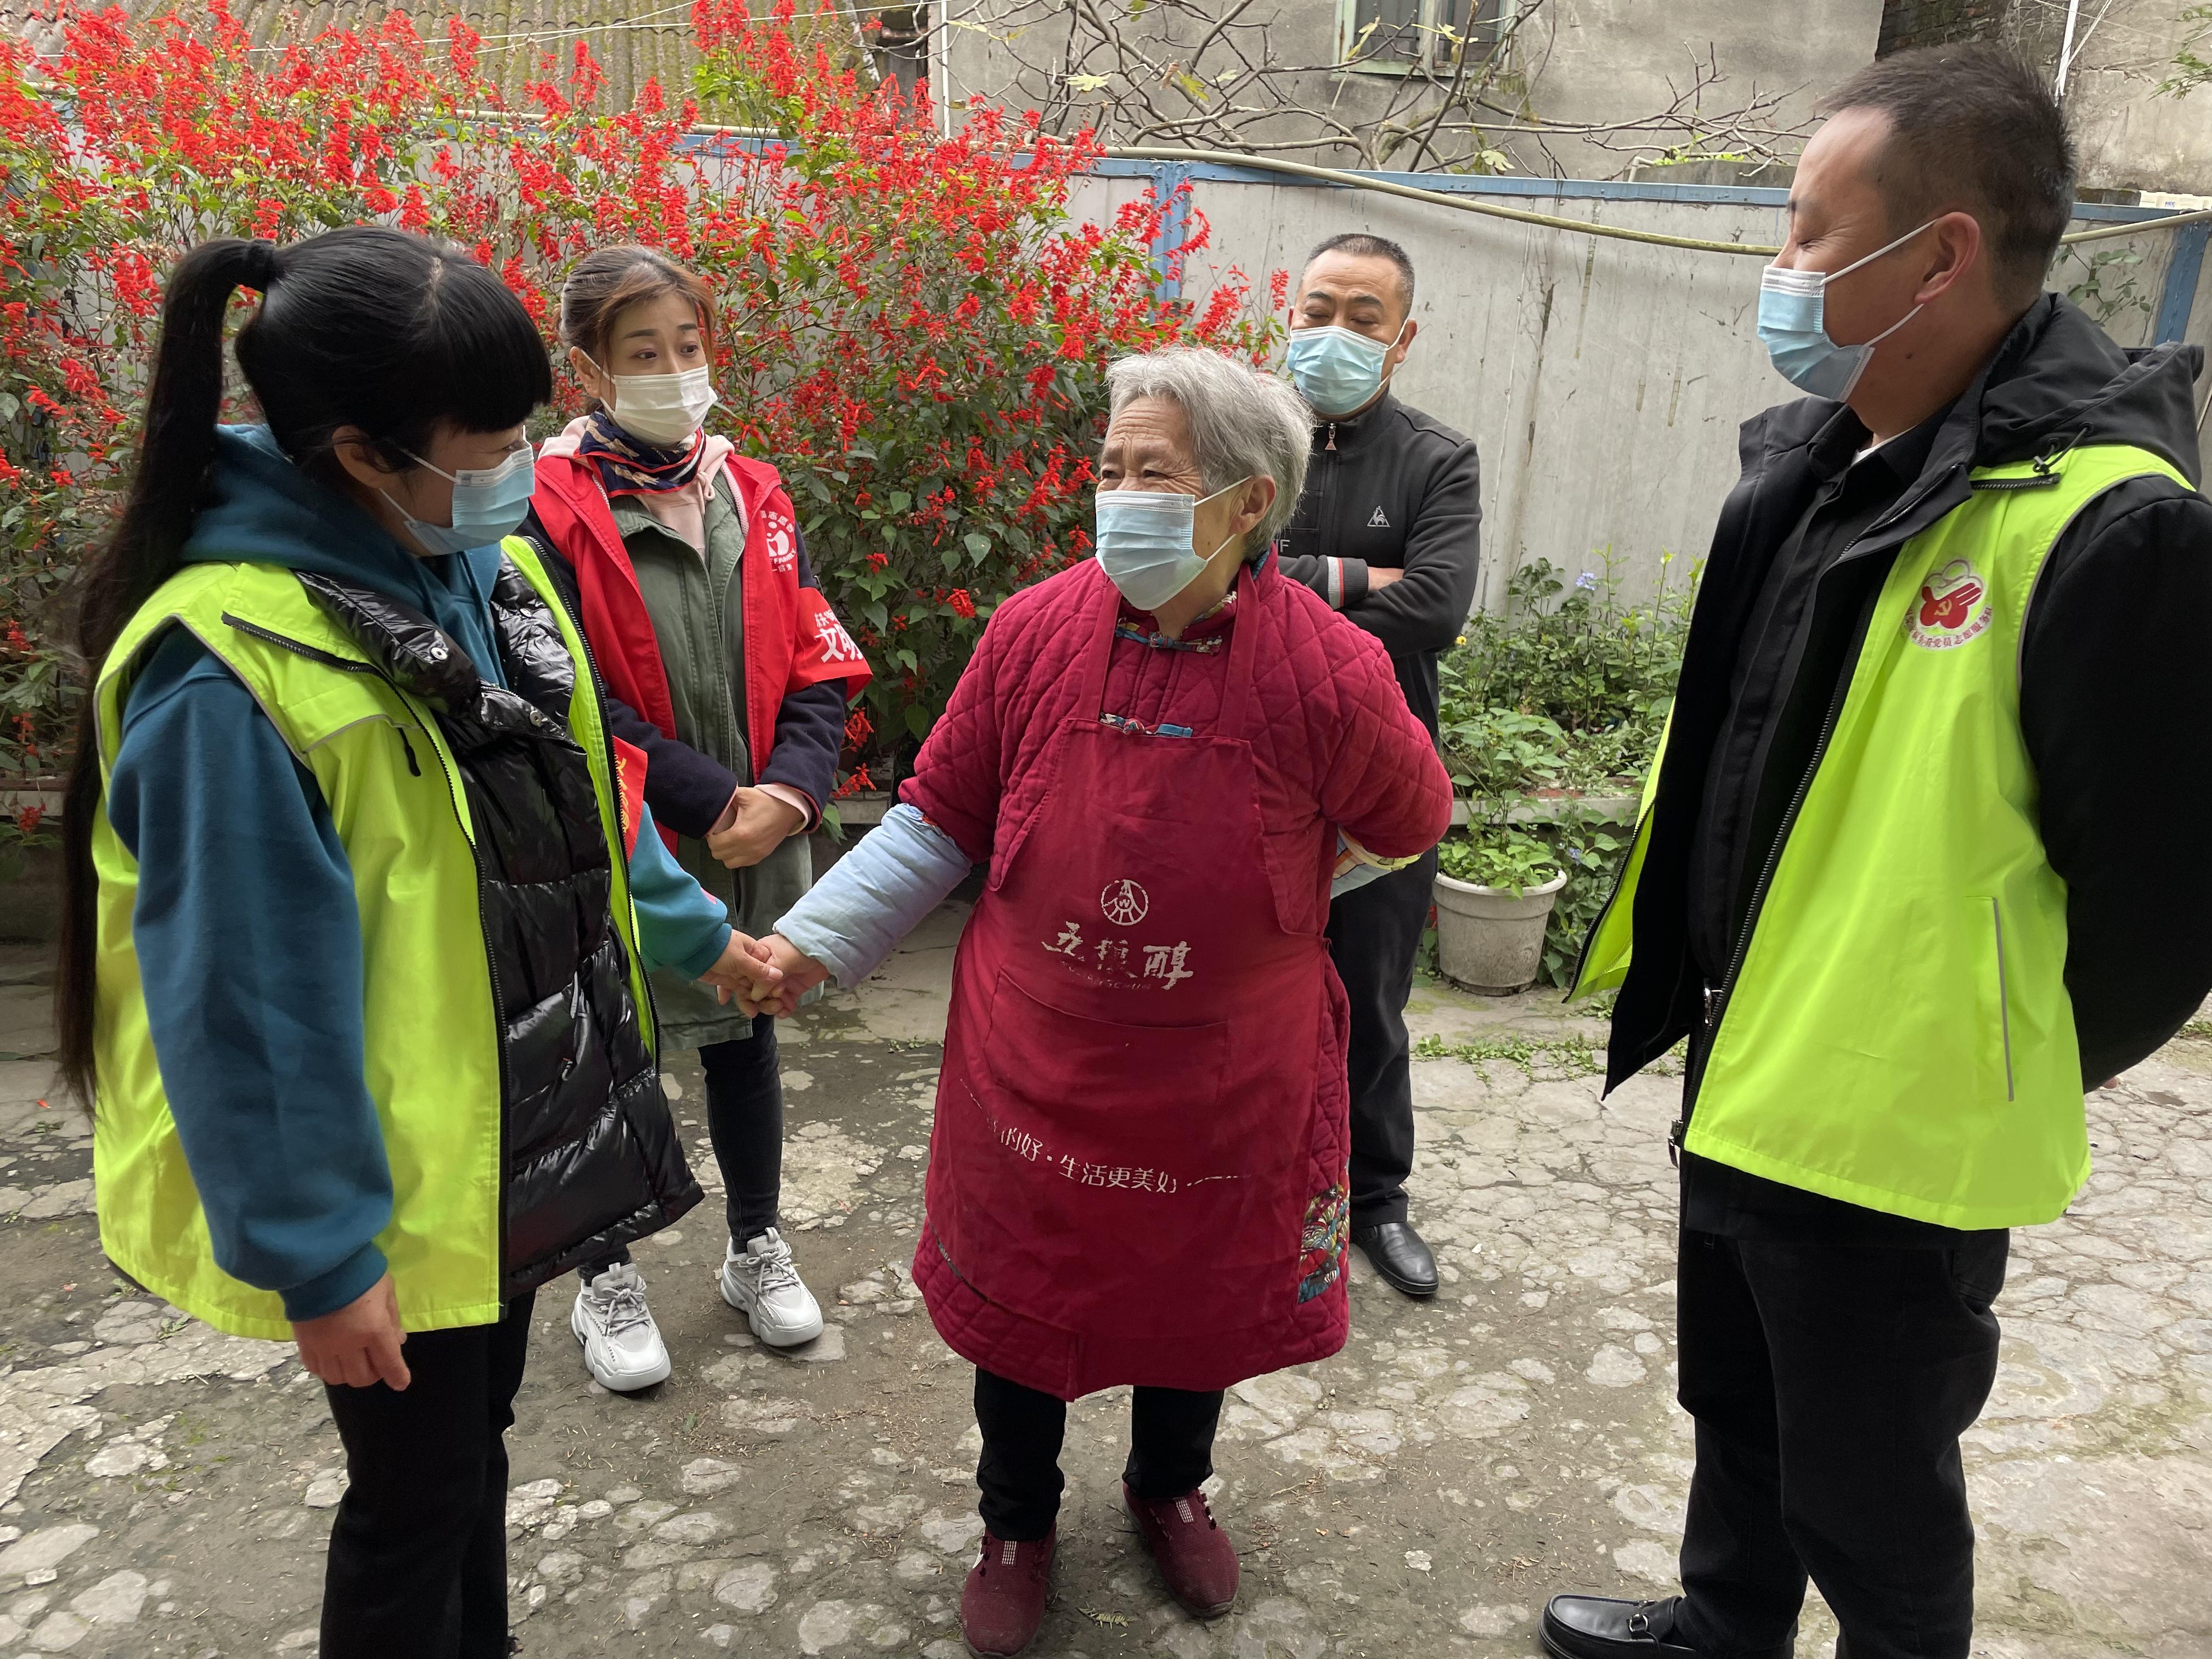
x=166, y=1491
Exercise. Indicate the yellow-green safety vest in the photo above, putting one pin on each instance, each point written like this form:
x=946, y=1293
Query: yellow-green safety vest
x=432, y=1035
x=1897, y=1033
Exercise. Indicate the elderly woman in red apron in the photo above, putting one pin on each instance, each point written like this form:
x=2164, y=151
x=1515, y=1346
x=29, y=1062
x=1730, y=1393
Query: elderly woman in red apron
x=1137, y=1174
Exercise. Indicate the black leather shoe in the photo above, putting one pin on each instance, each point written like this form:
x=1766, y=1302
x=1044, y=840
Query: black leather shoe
x=1598, y=1627
x=1396, y=1251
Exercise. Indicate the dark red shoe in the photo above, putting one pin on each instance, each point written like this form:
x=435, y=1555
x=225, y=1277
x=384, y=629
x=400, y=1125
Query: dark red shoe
x=1004, y=1601
x=1194, y=1555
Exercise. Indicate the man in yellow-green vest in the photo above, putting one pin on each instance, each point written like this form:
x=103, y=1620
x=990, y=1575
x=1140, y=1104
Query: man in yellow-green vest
x=1890, y=881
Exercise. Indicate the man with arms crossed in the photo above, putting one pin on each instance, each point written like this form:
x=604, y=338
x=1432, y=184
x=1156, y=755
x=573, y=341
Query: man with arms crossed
x=1387, y=530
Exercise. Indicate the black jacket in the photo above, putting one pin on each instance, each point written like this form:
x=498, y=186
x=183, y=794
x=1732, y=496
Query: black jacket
x=2115, y=678
x=1391, y=486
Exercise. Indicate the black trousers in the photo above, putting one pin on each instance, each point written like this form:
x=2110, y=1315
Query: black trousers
x=1170, y=1450
x=744, y=1120
x=1830, y=1384
x=1374, y=934
x=417, y=1566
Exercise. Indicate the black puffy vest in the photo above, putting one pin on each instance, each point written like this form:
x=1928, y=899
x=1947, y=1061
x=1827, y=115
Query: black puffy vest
x=590, y=1155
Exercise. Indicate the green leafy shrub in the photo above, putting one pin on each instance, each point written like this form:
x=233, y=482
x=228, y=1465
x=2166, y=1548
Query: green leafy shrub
x=1600, y=669
x=1564, y=694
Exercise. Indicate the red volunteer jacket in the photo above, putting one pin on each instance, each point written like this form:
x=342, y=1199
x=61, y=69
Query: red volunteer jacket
x=793, y=636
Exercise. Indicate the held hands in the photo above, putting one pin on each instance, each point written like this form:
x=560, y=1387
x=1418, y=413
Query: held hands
x=745, y=974
x=798, y=974
x=359, y=1345
x=756, y=824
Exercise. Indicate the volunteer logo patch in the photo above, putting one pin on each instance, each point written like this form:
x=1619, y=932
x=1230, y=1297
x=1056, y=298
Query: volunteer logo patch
x=1954, y=609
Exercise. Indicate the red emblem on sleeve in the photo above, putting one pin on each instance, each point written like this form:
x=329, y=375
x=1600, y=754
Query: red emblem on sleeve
x=629, y=793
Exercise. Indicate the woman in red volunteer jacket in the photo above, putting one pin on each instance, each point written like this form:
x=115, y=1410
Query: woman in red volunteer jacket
x=726, y=666
x=1136, y=1173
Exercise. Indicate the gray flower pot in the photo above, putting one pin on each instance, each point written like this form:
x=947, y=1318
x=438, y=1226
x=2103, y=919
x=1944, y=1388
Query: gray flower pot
x=1488, y=940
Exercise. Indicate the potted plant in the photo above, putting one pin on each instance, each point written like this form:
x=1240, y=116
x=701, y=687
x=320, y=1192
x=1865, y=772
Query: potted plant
x=1495, y=887
x=1550, y=711
x=1496, y=881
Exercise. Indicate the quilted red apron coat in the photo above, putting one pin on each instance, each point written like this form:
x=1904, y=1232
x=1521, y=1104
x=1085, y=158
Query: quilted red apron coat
x=1138, y=1169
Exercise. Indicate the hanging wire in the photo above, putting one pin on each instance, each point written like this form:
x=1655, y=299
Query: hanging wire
x=1551, y=221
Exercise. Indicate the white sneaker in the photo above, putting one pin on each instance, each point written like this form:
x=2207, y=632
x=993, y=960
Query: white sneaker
x=621, y=1344
x=761, y=1283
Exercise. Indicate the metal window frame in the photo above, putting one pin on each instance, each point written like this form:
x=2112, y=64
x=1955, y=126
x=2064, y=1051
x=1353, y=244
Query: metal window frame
x=1348, y=30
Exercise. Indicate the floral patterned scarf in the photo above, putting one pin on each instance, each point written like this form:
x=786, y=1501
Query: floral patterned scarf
x=630, y=466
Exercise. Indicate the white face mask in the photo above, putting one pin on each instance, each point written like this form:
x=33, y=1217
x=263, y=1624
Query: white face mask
x=1794, y=324
x=1144, y=541
x=662, y=409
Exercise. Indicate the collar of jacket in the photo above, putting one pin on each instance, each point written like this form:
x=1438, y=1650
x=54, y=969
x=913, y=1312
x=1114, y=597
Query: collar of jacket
x=1784, y=437
x=2055, y=380
x=1350, y=430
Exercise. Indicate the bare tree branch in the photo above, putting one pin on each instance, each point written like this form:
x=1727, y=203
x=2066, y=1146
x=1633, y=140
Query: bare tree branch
x=1173, y=72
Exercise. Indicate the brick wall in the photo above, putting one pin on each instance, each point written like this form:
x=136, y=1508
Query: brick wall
x=1906, y=23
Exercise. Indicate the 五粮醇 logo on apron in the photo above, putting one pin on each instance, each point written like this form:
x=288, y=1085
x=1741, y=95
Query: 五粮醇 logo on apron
x=1124, y=903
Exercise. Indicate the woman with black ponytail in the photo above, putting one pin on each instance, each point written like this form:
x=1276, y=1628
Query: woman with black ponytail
x=362, y=894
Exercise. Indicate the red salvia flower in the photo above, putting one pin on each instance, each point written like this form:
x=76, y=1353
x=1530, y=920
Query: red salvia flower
x=913, y=329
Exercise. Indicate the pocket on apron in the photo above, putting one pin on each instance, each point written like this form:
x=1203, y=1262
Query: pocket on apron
x=1107, y=1088
x=1097, y=1163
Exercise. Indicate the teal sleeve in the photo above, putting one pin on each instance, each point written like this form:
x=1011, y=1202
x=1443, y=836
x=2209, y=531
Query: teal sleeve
x=680, y=924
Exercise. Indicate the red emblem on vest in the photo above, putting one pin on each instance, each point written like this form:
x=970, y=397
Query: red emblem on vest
x=1954, y=608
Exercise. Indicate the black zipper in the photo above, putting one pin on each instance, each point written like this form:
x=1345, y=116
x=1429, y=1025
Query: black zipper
x=499, y=1014
x=1717, y=996
x=1325, y=530
x=476, y=859
x=312, y=653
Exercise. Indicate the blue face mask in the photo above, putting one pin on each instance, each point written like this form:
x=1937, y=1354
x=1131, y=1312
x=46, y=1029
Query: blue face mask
x=1144, y=538
x=490, y=503
x=1793, y=324
x=1336, y=369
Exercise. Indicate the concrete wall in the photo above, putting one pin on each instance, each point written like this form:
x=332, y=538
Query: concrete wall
x=1598, y=60
x=2131, y=138
x=1603, y=381
x=1582, y=60
x=1909, y=23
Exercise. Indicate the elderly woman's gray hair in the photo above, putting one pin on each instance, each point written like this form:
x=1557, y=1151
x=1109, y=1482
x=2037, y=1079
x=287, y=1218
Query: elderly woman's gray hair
x=1243, y=423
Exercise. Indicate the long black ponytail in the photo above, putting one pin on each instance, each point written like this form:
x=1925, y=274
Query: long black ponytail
x=367, y=327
